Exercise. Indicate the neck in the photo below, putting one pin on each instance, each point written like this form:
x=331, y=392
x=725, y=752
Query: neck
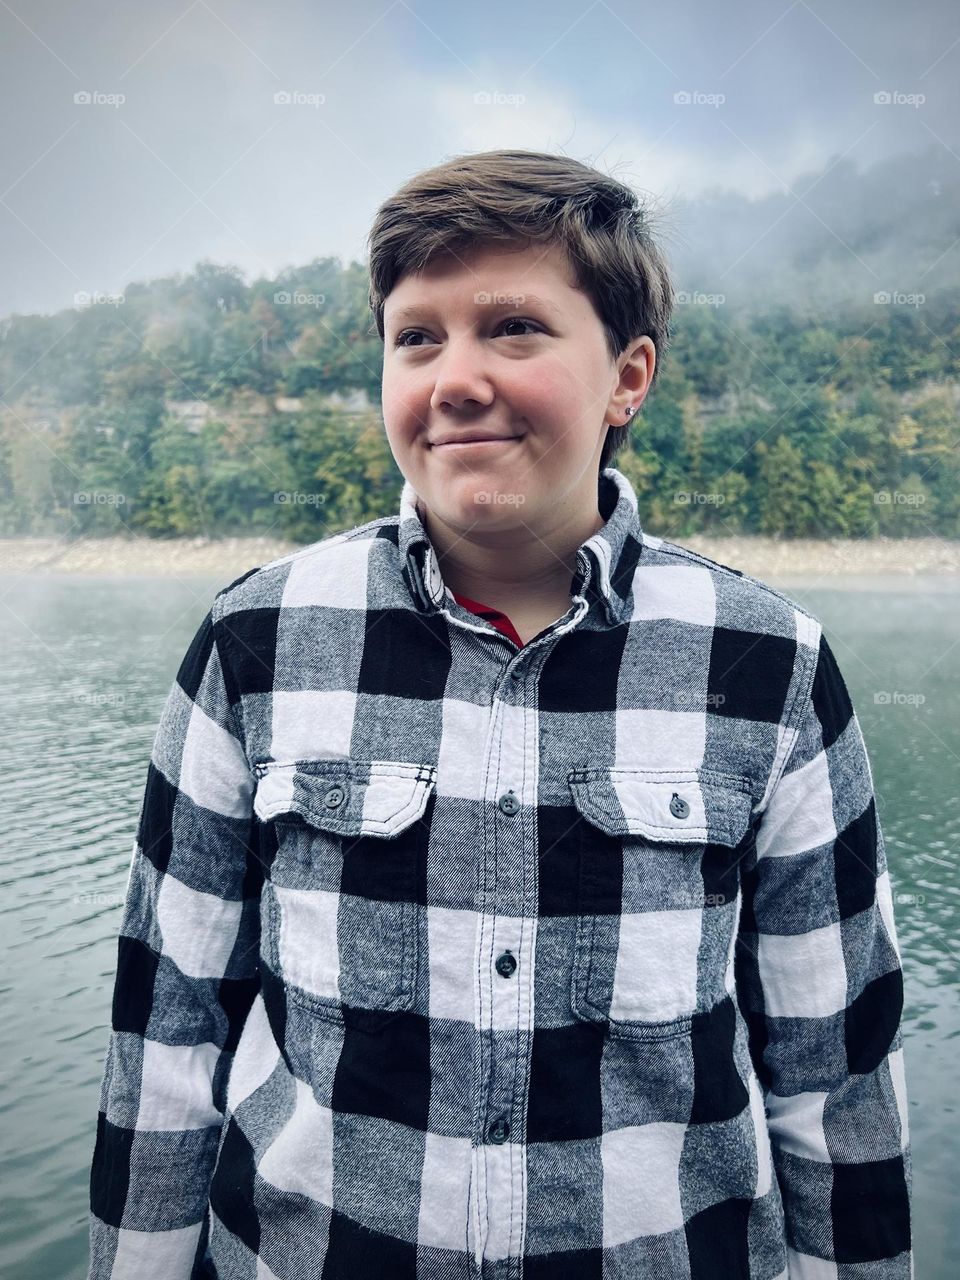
x=513, y=567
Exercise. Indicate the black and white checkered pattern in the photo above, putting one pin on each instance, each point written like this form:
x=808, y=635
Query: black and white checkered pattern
x=441, y=958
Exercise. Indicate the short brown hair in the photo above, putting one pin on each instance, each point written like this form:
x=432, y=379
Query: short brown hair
x=492, y=196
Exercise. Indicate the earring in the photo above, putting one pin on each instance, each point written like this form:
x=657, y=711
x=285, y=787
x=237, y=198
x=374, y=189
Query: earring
x=630, y=412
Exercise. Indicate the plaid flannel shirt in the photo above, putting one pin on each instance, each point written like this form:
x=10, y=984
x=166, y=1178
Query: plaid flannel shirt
x=443, y=958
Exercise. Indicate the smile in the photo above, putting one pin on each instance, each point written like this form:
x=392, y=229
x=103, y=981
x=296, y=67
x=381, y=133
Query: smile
x=456, y=445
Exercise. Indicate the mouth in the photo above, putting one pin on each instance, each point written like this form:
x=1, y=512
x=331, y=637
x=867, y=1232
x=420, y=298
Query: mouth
x=481, y=444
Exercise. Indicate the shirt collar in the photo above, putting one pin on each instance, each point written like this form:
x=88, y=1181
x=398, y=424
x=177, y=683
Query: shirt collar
x=612, y=552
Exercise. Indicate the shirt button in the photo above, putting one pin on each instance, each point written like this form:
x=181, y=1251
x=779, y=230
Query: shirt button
x=334, y=797
x=498, y=1131
x=508, y=803
x=678, y=806
x=506, y=964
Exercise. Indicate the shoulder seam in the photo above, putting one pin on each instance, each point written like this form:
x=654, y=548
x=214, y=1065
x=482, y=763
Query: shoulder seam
x=673, y=549
x=798, y=706
x=216, y=619
x=346, y=535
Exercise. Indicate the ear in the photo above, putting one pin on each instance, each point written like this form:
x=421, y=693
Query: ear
x=636, y=365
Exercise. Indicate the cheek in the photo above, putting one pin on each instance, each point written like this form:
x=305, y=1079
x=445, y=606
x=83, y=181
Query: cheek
x=535, y=389
x=402, y=402
x=548, y=387
x=537, y=386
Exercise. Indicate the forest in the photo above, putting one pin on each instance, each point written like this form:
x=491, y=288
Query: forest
x=203, y=405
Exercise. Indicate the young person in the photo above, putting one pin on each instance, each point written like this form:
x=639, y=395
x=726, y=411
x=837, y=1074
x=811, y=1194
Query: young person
x=508, y=896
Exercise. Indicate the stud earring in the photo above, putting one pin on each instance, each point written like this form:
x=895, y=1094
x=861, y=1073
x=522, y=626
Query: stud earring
x=630, y=411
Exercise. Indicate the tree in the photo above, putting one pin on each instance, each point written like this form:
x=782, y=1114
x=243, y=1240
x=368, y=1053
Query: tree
x=783, y=498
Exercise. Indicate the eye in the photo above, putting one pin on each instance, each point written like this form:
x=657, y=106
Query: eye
x=520, y=320
x=399, y=341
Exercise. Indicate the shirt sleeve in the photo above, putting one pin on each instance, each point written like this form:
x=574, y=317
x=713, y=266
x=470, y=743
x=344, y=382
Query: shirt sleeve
x=821, y=988
x=187, y=974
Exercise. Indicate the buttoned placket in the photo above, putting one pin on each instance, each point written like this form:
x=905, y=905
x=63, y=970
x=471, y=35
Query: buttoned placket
x=507, y=908
x=507, y=898
x=506, y=904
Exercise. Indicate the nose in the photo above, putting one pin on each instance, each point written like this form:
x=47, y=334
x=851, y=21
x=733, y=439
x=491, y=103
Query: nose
x=459, y=377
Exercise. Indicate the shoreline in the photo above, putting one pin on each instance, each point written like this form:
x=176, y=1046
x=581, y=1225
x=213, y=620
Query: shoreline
x=759, y=557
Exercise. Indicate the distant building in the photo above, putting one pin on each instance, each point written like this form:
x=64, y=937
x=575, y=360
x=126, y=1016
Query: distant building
x=192, y=413
x=356, y=401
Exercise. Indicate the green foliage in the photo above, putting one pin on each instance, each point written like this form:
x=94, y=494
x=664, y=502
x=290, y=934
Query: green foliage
x=205, y=405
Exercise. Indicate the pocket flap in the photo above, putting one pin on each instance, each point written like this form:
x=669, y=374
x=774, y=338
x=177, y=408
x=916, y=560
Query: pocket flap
x=347, y=797
x=685, y=806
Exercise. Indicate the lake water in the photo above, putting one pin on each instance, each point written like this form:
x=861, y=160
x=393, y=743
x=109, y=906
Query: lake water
x=88, y=665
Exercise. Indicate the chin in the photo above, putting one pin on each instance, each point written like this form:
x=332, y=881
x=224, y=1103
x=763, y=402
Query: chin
x=474, y=509
x=497, y=500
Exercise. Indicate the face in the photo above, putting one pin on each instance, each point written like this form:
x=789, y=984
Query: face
x=498, y=389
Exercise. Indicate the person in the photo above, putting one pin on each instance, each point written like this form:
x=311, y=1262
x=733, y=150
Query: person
x=508, y=895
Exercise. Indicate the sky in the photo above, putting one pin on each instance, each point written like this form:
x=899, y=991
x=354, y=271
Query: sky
x=142, y=138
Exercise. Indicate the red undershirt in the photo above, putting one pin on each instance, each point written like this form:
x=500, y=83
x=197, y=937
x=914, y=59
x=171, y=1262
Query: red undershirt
x=491, y=615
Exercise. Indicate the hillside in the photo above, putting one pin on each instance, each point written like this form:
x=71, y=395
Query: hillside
x=810, y=390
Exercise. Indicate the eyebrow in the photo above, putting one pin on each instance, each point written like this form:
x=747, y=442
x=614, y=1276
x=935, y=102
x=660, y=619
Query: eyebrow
x=416, y=309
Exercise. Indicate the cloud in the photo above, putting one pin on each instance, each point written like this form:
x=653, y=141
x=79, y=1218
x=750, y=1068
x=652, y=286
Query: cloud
x=100, y=195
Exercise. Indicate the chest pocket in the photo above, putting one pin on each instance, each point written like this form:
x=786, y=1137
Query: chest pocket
x=657, y=896
x=348, y=841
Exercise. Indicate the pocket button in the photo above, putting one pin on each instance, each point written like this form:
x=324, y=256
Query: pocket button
x=334, y=797
x=678, y=806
